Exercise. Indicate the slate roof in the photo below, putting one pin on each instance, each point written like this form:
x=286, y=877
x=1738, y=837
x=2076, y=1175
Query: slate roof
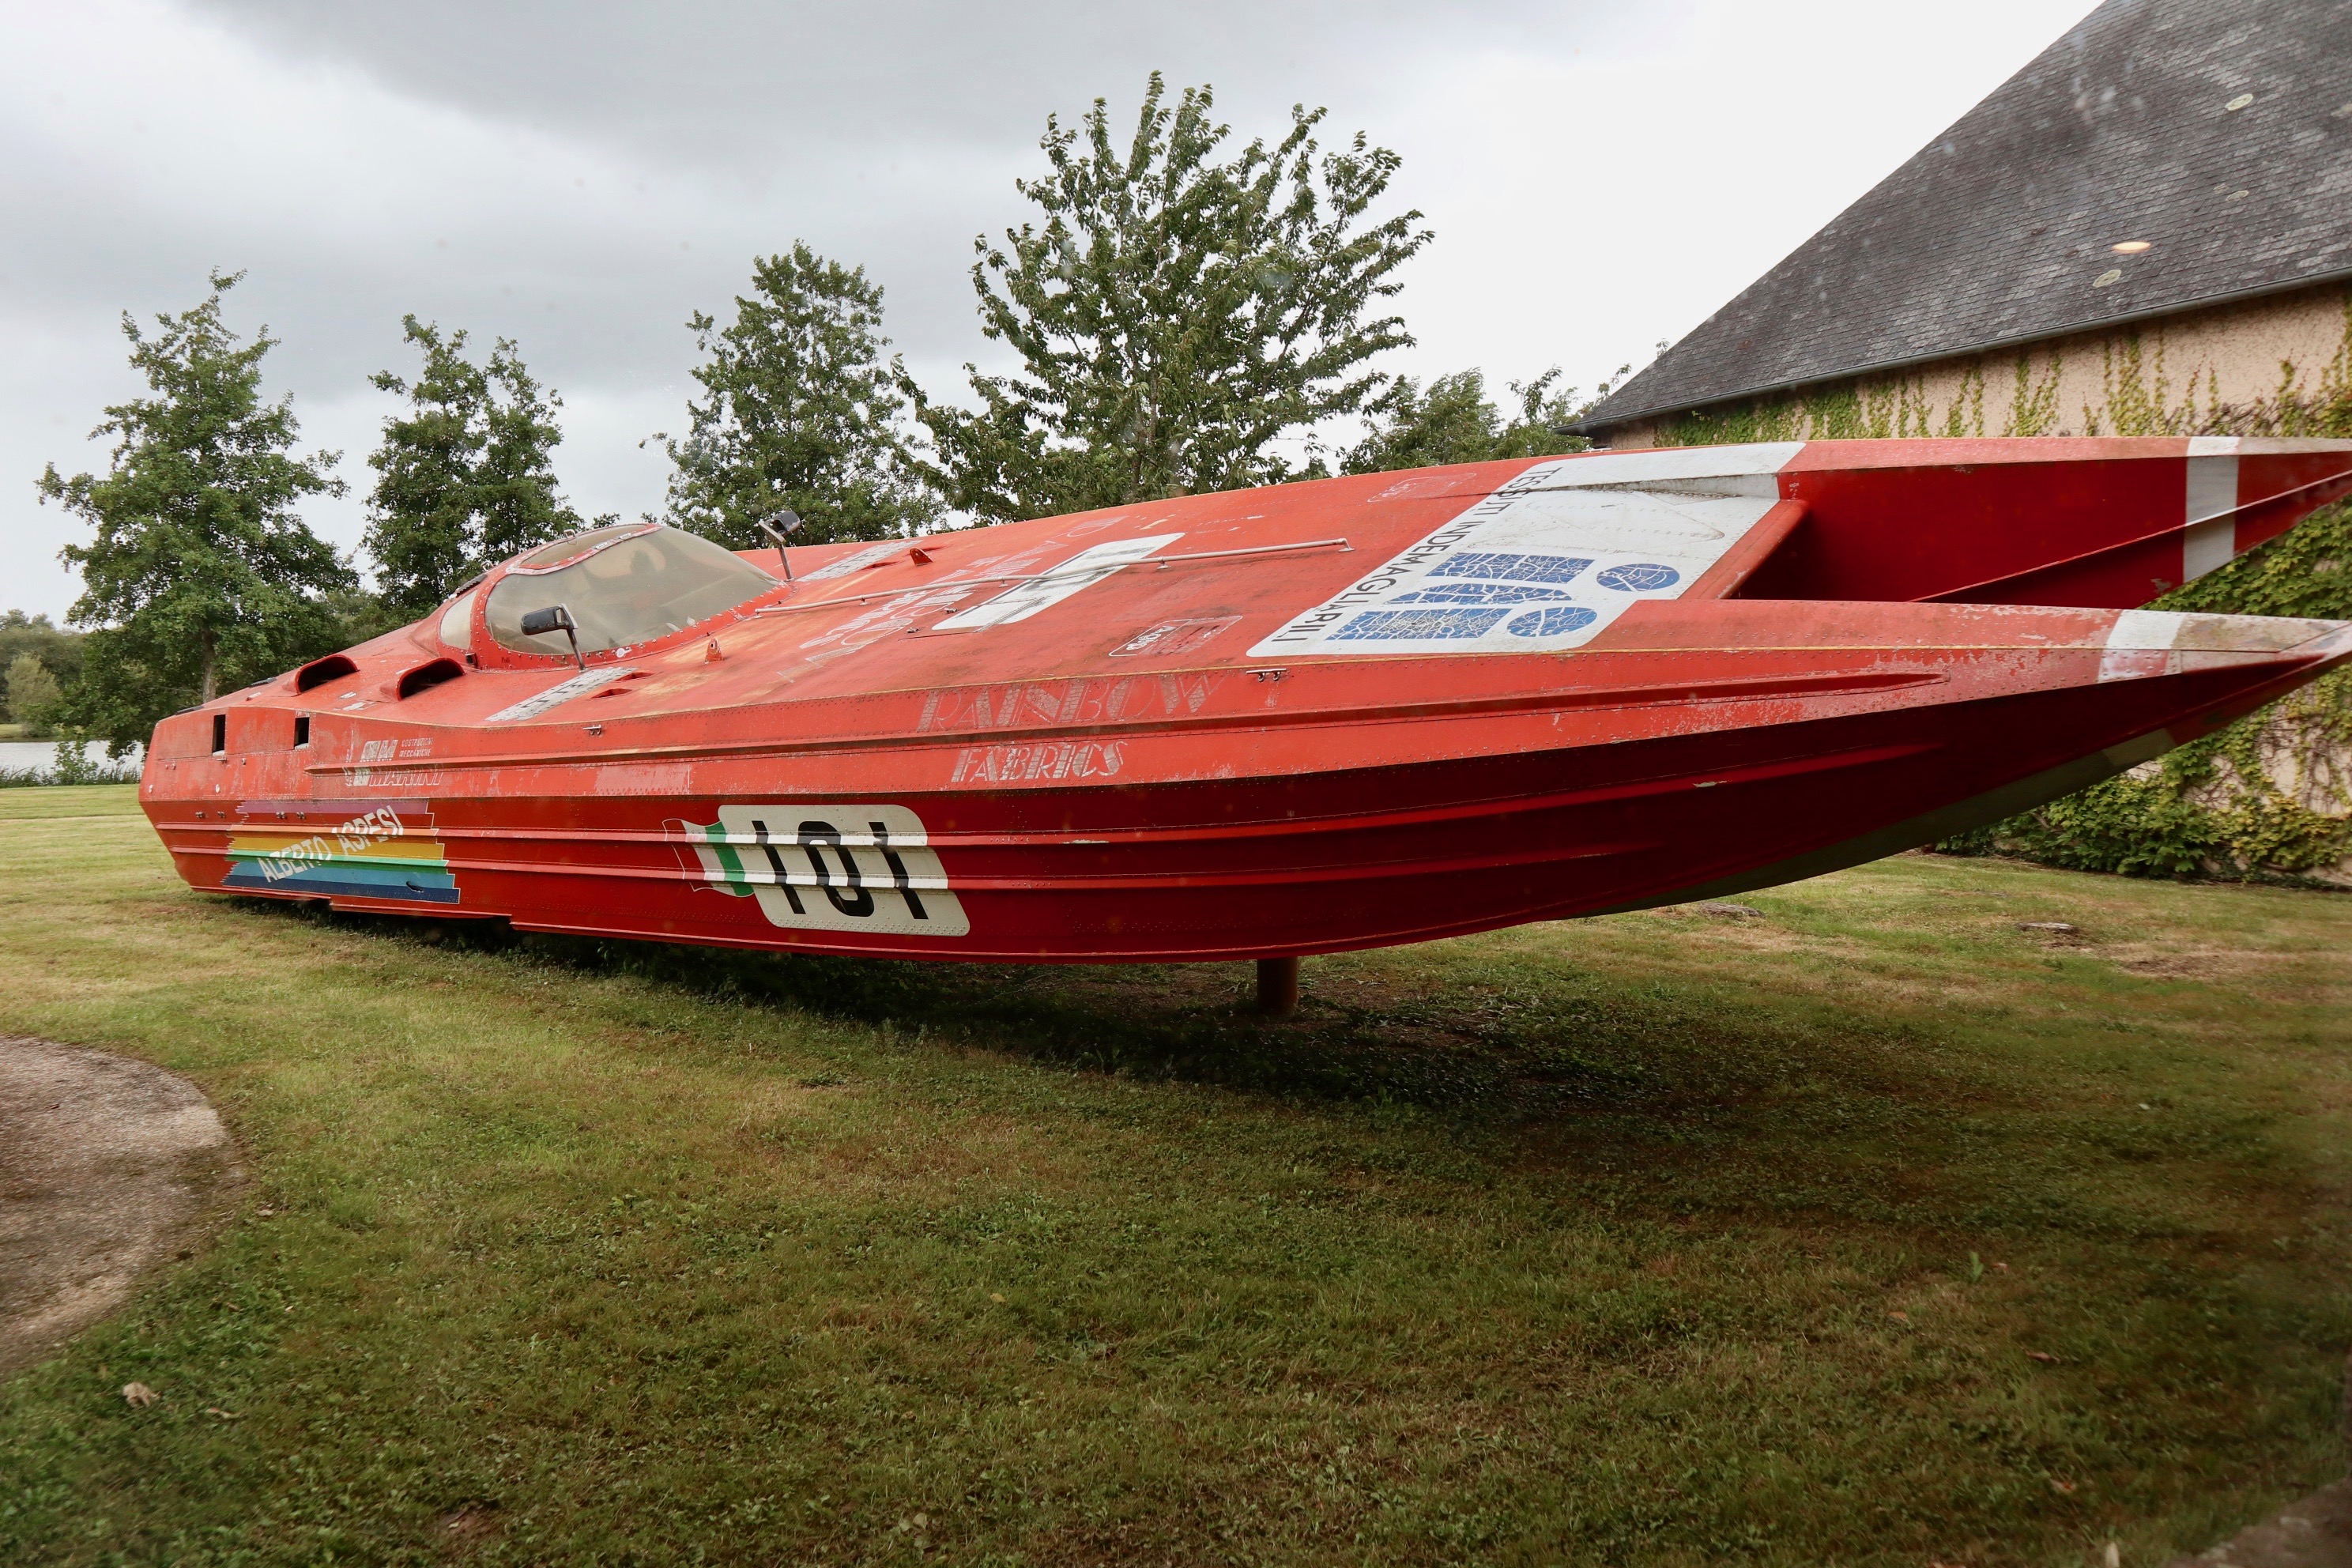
x=1999, y=231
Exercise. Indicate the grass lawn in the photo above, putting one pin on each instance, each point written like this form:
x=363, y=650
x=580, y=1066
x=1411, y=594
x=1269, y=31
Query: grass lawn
x=1874, y=1231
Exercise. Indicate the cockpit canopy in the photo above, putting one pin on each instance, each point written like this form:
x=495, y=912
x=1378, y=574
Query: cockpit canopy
x=624, y=585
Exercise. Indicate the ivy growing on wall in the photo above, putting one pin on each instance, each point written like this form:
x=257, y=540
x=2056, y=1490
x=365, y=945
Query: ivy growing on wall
x=2264, y=799
x=2269, y=797
x=2137, y=397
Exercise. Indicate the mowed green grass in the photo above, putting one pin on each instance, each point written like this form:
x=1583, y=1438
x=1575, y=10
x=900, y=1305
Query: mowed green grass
x=1874, y=1231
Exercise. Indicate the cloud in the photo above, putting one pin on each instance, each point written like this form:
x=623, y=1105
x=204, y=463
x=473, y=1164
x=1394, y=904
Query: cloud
x=582, y=176
x=762, y=85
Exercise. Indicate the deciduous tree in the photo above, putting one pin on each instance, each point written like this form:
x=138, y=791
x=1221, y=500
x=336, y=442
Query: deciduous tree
x=1179, y=313
x=1455, y=422
x=57, y=649
x=799, y=410
x=33, y=692
x=464, y=478
x=201, y=574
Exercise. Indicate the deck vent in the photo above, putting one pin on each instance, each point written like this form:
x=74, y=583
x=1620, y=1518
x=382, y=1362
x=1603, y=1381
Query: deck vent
x=428, y=675
x=320, y=671
x=220, y=733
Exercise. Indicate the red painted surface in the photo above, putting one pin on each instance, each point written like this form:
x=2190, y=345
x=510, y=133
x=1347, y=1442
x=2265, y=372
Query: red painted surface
x=1119, y=775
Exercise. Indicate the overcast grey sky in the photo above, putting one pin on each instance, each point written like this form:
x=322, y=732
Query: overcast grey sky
x=582, y=176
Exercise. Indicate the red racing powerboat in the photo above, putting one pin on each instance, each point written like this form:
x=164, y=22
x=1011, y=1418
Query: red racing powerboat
x=1260, y=724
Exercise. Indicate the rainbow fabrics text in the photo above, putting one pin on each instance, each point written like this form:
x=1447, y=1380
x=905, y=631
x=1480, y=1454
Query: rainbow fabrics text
x=386, y=852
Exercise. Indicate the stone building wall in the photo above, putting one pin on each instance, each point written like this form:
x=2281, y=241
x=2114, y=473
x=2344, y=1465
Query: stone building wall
x=2257, y=366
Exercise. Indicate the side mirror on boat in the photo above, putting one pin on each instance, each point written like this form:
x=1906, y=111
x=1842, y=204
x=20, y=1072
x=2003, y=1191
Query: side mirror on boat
x=786, y=521
x=555, y=619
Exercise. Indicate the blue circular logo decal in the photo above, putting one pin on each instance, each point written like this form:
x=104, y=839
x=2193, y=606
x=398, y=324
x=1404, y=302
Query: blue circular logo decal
x=1551, y=623
x=1641, y=577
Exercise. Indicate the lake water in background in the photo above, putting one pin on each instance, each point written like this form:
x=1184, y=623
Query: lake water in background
x=42, y=755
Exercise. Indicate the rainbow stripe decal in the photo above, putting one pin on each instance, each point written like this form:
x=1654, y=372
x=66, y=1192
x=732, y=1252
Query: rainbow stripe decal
x=386, y=853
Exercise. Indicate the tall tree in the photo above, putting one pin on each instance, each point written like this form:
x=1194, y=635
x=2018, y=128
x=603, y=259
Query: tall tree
x=200, y=576
x=464, y=479
x=1177, y=315
x=799, y=410
x=58, y=649
x=1455, y=422
x=33, y=692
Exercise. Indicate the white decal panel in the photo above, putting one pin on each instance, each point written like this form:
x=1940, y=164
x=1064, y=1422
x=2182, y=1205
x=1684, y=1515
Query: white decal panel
x=1547, y=563
x=2211, y=540
x=1083, y=570
x=831, y=868
x=578, y=686
x=856, y=561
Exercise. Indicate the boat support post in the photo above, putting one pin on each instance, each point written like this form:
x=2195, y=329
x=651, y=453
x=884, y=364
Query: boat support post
x=1277, y=986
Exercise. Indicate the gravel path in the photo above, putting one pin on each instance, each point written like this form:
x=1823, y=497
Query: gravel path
x=107, y=1167
x=2314, y=1534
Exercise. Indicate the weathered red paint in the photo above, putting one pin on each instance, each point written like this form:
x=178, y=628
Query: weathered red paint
x=1118, y=776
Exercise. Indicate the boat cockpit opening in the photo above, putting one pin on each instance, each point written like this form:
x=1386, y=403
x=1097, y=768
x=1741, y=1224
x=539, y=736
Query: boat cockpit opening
x=625, y=586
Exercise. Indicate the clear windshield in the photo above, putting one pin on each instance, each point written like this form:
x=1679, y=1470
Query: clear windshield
x=457, y=621
x=632, y=588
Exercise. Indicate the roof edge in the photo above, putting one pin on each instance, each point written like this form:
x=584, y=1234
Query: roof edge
x=1593, y=425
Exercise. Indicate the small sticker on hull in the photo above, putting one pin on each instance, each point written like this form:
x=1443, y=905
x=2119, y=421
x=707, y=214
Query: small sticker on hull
x=1174, y=636
x=831, y=868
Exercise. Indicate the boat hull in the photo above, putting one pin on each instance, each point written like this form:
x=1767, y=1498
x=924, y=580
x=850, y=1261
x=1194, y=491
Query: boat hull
x=1319, y=716
x=1241, y=839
